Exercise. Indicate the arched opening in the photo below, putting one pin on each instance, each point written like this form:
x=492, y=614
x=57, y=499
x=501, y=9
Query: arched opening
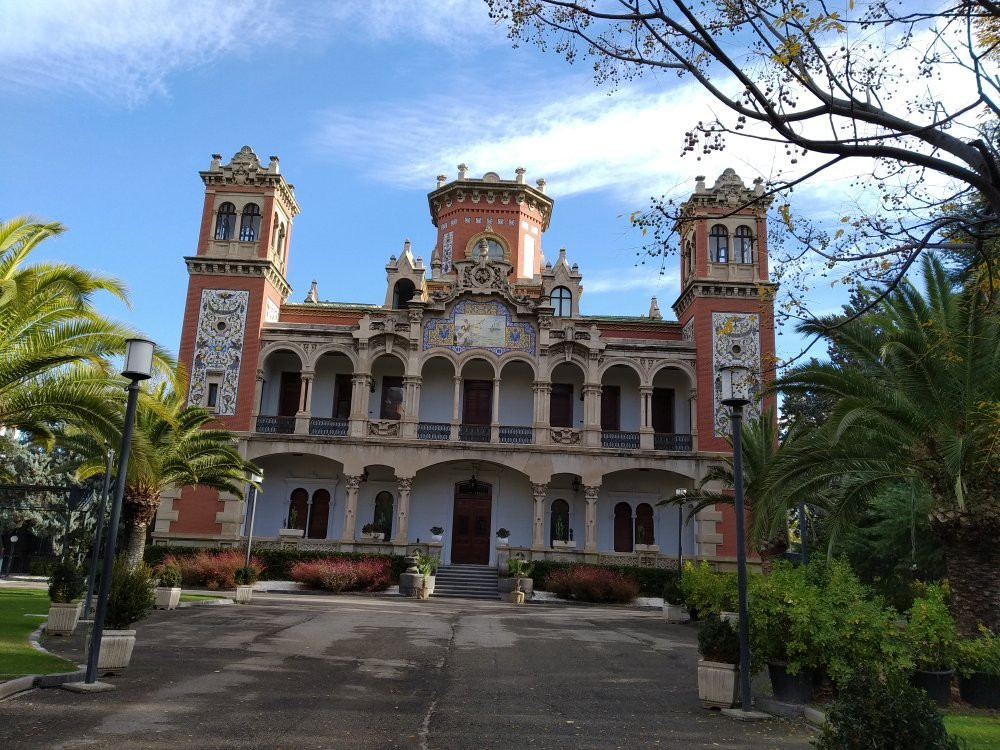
x=623, y=527
x=386, y=399
x=620, y=408
x=516, y=410
x=718, y=244
x=319, y=514
x=559, y=529
x=562, y=302
x=644, y=533
x=402, y=293
x=298, y=509
x=225, y=222
x=281, y=395
x=743, y=245
x=250, y=223
x=566, y=396
x=383, y=514
x=477, y=401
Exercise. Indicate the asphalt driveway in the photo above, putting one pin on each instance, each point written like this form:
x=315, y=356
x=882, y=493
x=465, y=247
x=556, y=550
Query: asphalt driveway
x=294, y=671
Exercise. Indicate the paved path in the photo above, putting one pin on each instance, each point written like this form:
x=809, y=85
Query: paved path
x=370, y=672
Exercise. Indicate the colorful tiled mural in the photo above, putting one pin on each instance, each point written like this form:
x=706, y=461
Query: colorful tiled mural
x=479, y=325
x=218, y=348
x=735, y=340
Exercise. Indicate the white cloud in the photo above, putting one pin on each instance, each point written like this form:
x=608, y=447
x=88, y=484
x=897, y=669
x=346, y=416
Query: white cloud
x=448, y=23
x=643, y=278
x=119, y=49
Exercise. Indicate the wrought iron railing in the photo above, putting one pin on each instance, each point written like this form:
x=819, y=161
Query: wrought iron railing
x=475, y=433
x=620, y=439
x=275, y=425
x=434, y=430
x=515, y=435
x=328, y=426
x=672, y=441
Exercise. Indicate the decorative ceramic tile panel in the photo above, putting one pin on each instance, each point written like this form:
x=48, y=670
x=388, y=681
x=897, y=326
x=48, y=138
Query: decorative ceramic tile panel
x=479, y=325
x=446, y=251
x=219, y=345
x=687, y=332
x=735, y=340
x=271, y=312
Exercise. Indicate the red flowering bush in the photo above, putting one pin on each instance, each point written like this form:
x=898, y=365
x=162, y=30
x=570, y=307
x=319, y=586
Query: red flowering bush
x=338, y=574
x=213, y=570
x=586, y=583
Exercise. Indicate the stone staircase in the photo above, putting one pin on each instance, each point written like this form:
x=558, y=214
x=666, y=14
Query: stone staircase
x=467, y=582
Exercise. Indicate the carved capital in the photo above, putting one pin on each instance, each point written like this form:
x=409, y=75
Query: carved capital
x=591, y=491
x=352, y=482
x=539, y=490
x=405, y=484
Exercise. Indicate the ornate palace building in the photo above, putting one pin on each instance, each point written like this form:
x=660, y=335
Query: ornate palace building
x=477, y=395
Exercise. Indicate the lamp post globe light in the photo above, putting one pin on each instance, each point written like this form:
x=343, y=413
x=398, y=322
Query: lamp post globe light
x=255, y=479
x=138, y=366
x=736, y=393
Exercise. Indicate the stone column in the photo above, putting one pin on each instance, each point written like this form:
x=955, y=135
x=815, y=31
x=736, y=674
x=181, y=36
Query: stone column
x=592, y=415
x=258, y=392
x=404, y=484
x=411, y=406
x=495, y=416
x=456, y=400
x=543, y=394
x=352, y=484
x=590, y=492
x=539, y=491
x=360, y=388
x=646, y=440
x=305, y=404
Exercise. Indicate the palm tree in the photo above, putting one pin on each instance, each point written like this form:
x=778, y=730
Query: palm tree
x=55, y=345
x=767, y=531
x=172, y=444
x=917, y=398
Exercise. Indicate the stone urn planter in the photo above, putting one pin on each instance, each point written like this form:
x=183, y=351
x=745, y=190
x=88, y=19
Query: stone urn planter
x=244, y=593
x=167, y=597
x=291, y=533
x=718, y=686
x=675, y=613
x=63, y=618
x=116, y=650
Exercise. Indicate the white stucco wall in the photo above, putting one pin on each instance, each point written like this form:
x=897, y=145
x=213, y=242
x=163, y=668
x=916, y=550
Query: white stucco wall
x=437, y=391
x=516, y=396
x=628, y=381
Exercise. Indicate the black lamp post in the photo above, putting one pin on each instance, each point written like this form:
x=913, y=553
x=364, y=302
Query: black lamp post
x=98, y=528
x=735, y=381
x=681, y=492
x=255, y=479
x=138, y=366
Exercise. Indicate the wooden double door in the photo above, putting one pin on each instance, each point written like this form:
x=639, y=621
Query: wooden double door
x=470, y=528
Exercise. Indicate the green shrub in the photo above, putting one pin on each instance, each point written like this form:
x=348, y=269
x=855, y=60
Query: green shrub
x=673, y=592
x=67, y=582
x=245, y=575
x=588, y=583
x=876, y=714
x=131, y=594
x=170, y=576
x=980, y=654
x=718, y=641
x=650, y=580
x=930, y=631
x=706, y=590
x=40, y=568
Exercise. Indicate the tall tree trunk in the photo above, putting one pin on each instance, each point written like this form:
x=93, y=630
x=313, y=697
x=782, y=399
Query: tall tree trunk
x=770, y=551
x=135, y=545
x=971, y=544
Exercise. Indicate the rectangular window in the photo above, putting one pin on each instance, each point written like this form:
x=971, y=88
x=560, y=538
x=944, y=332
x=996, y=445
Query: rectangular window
x=392, y=397
x=663, y=410
x=213, y=390
x=561, y=405
x=213, y=396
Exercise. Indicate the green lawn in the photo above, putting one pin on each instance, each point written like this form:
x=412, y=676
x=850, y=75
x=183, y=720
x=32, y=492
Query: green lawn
x=980, y=731
x=17, y=656
x=199, y=597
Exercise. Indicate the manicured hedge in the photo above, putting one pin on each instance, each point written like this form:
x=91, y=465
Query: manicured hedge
x=277, y=562
x=650, y=580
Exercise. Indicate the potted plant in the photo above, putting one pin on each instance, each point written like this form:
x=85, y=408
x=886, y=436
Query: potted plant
x=979, y=669
x=520, y=569
x=932, y=640
x=437, y=533
x=640, y=540
x=130, y=598
x=371, y=531
x=729, y=602
x=66, y=585
x=673, y=601
x=517, y=570
x=719, y=649
x=503, y=536
x=245, y=577
x=168, y=593
x=426, y=567
x=290, y=530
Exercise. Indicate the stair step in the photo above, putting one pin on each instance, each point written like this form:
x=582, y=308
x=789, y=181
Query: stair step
x=467, y=582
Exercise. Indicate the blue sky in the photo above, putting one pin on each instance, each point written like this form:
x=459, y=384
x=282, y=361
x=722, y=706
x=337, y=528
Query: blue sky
x=112, y=108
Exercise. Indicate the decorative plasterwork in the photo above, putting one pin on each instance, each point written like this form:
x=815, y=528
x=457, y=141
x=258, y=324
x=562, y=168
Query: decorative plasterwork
x=218, y=347
x=687, y=332
x=479, y=325
x=735, y=341
x=205, y=266
x=728, y=191
x=271, y=311
x=245, y=169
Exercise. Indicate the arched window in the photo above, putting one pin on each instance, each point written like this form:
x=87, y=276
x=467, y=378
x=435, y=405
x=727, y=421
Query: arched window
x=559, y=530
x=623, y=527
x=275, y=225
x=383, y=514
x=319, y=514
x=562, y=302
x=718, y=244
x=743, y=245
x=644, y=524
x=225, y=222
x=496, y=251
x=250, y=223
x=298, y=509
x=402, y=293
x=689, y=257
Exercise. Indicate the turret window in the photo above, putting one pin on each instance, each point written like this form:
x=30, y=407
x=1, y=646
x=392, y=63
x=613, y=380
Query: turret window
x=250, y=223
x=562, y=302
x=225, y=222
x=718, y=244
x=743, y=245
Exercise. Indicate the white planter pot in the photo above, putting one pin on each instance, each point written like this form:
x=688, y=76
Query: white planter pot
x=243, y=594
x=63, y=618
x=426, y=587
x=556, y=543
x=733, y=618
x=647, y=548
x=291, y=533
x=516, y=597
x=437, y=537
x=502, y=541
x=116, y=650
x=675, y=613
x=506, y=585
x=717, y=684
x=167, y=597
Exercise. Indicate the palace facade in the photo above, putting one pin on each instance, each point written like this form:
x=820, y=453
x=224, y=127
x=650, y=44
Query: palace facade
x=477, y=395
